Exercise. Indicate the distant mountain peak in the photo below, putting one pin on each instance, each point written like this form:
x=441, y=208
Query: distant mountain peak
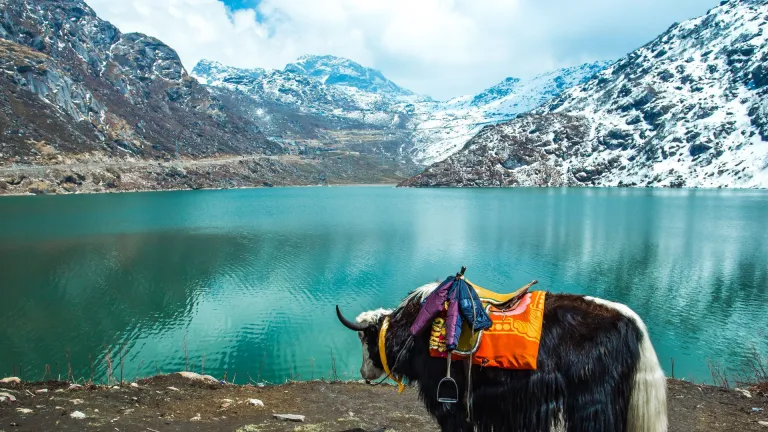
x=212, y=73
x=324, y=57
x=558, y=80
x=329, y=91
x=341, y=71
x=454, y=122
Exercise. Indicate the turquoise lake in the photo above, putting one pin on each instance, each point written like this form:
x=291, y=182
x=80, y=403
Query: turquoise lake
x=247, y=280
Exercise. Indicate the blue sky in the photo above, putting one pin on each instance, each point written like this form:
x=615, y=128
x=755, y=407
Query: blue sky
x=241, y=4
x=442, y=48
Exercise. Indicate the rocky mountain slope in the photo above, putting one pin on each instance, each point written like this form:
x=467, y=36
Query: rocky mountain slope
x=689, y=109
x=330, y=101
x=442, y=128
x=317, y=104
x=74, y=86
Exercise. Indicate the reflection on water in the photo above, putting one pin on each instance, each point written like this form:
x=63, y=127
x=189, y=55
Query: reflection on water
x=247, y=280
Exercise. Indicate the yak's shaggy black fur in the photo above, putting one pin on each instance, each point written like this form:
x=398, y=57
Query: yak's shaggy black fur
x=586, y=364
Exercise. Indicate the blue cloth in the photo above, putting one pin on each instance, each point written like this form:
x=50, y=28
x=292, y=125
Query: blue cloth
x=470, y=309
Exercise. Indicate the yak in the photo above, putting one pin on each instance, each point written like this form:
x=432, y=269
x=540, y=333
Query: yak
x=597, y=371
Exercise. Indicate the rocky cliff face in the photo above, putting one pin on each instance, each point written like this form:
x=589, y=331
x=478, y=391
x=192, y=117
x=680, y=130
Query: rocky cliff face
x=298, y=109
x=688, y=109
x=74, y=84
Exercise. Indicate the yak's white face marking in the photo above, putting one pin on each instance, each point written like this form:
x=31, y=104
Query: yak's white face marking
x=368, y=370
x=372, y=317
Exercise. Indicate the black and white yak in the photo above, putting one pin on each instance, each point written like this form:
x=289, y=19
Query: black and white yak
x=597, y=371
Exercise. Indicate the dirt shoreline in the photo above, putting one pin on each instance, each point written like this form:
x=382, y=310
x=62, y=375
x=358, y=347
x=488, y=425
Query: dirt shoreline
x=254, y=172
x=176, y=403
x=102, y=192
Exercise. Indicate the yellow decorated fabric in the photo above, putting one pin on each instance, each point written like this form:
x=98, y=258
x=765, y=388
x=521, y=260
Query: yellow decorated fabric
x=512, y=341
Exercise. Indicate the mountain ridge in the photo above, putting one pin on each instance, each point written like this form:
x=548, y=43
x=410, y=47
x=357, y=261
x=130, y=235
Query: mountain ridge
x=335, y=70
x=415, y=126
x=109, y=94
x=688, y=109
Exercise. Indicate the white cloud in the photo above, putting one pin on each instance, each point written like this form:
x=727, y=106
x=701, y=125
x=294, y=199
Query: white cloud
x=442, y=48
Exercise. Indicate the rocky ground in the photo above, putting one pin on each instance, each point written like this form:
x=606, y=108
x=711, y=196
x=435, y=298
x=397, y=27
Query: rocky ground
x=177, y=403
x=231, y=172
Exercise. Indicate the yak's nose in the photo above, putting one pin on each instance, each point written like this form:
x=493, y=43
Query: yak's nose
x=367, y=381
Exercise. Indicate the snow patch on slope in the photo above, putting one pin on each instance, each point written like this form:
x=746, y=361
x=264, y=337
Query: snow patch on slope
x=446, y=126
x=336, y=88
x=689, y=109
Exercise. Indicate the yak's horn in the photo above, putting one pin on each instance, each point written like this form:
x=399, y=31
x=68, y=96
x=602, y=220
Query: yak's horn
x=349, y=324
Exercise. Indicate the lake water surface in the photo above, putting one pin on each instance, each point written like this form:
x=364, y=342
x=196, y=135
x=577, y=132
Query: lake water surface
x=247, y=280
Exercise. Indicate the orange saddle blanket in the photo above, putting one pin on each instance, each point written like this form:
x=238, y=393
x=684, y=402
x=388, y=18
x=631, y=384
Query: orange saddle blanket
x=512, y=342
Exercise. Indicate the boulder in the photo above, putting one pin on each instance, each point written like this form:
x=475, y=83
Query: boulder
x=41, y=188
x=197, y=377
x=71, y=177
x=617, y=138
x=7, y=397
x=77, y=415
x=16, y=180
x=760, y=75
x=699, y=148
x=666, y=75
x=289, y=417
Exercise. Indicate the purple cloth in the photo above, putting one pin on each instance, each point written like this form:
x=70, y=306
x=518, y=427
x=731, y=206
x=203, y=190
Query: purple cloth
x=433, y=305
x=452, y=320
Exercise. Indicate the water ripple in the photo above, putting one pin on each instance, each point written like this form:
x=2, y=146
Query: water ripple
x=247, y=281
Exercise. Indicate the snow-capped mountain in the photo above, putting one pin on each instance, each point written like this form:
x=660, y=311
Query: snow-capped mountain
x=338, y=98
x=688, y=109
x=339, y=71
x=443, y=128
x=214, y=73
x=303, y=111
x=315, y=84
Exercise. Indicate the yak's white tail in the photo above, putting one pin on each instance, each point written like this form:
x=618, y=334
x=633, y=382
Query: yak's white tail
x=648, y=403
